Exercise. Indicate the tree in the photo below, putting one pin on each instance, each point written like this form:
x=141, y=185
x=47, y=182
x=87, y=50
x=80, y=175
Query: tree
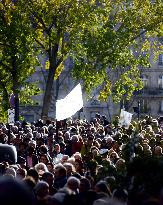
x=121, y=45
x=17, y=53
x=101, y=36
x=56, y=26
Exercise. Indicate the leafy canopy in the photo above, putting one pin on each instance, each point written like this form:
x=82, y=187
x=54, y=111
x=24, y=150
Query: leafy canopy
x=110, y=55
x=109, y=41
x=18, y=56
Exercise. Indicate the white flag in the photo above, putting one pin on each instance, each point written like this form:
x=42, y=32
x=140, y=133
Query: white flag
x=125, y=118
x=11, y=115
x=68, y=106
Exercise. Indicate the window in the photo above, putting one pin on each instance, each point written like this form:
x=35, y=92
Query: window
x=160, y=59
x=160, y=82
x=144, y=79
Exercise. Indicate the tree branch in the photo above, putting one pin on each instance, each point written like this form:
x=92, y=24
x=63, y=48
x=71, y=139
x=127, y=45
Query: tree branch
x=6, y=45
x=52, y=24
x=6, y=66
x=42, y=46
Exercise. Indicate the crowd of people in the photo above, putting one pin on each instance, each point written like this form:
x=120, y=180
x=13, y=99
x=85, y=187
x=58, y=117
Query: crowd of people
x=85, y=163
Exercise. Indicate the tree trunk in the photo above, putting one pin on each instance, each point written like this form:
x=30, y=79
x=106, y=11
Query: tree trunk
x=16, y=107
x=15, y=87
x=56, y=93
x=49, y=85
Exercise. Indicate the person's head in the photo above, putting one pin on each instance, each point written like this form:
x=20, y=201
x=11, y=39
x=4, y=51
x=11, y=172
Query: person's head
x=43, y=149
x=120, y=194
x=21, y=161
x=62, y=196
x=111, y=181
x=90, y=140
x=71, y=160
x=157, y=151
x=102, y=186
x=75, y=138
x=62, y=147
x=10, y=172
x=66, y=136
x=50, y=167
x=48, y=177
x=60, y=139
x=109, y=141
x=95, y=152
x=21, y=173
x=78, y=164
x=69, y=168
x=120, y=164
x=85, y=185
x=31, y=150
x=33, y=173
x=44, y=158
x=30, y=182
x=60, y=171
x=77, y=155
x=14, y=191
x=32, y=143
x=41, y=189
x=113, y=157
x=40, y=168
x=39, y=140
x=57, y=148
x=64, y=158
x=73, y=183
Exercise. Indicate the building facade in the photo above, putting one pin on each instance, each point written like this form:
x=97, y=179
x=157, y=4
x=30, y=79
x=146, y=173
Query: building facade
x=149, y=100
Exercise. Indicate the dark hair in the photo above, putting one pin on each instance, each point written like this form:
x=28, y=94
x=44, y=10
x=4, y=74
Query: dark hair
x=51, y=164
x=103, y=187
x=33, y=173
x=44, y=149
x=14, y=191
x=62, y=170
x=120, y=194
x=30, y=182
x=86, y=183
x=45, y=175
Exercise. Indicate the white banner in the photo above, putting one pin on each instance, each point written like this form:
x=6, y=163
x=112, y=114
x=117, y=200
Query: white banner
x=68, y=106
x=125, y=118
x=11, y=115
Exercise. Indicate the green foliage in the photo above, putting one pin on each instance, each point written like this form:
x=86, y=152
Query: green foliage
x=109, y=42
x=27, y=91
x=109, y=55
x=56, y=27
x=3, y=111
x=18, y=56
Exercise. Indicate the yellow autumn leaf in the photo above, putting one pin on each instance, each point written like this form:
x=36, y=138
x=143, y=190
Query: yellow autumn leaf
x=58, y=70
x=47, y=64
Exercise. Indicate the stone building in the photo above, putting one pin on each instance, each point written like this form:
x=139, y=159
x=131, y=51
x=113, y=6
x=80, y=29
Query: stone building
x=150, y=98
